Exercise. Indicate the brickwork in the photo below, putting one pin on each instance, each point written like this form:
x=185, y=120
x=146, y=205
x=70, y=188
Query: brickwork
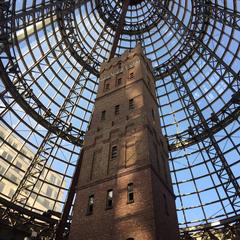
x=124, y=145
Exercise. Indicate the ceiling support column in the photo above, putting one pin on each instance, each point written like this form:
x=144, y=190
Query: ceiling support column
x=119, y=28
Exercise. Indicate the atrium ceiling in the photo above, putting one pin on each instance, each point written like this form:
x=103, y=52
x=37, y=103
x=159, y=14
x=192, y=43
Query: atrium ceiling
x=51, y=52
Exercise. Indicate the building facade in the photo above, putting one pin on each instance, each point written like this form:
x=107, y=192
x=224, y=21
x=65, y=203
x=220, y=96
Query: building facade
x=124, y=190
x=14, y=151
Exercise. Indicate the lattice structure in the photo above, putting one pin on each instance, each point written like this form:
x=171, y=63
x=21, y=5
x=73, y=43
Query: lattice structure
x=50, y=55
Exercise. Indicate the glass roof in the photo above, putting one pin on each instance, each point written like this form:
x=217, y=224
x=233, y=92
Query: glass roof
x=51, y=57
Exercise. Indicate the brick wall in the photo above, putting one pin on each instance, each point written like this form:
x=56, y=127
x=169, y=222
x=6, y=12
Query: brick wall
x=141, y=158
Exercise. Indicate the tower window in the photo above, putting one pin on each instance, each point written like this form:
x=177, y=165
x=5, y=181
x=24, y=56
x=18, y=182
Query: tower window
x=130, y=194
x=90, y=204
x=106, y=85
x=131, y=104
x=117, y=109
x=131, y=76
x=119, y=81
x=114, y=152
x=103, y=115
x=109, y=202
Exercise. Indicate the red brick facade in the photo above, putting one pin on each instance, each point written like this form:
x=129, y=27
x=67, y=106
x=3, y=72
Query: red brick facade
x=123, y=146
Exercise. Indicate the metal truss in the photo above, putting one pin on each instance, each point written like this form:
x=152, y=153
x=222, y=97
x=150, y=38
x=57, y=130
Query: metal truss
x=119, y=28
x=229, y=113
x=111, y=31
x=25, y=220
x=223, y=230
x=81, y=54
x=159, y=13
x=39, y=162
x=19, y=88
x=194, y=42
x=225, y=16
x=31, y=104
x=226, y=74
x=214, y=152
x=189, y=44
x=6, y=97
x=34, y=15
x=65, y=18
x=110, y=16
x=63, y=227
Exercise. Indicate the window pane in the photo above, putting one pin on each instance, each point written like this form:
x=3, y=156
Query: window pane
x=114, y=152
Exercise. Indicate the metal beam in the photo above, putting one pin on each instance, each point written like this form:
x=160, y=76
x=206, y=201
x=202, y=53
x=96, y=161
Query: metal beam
x=24, y=96
x=65, y=14
x=63, y=225
x=33, y=15
x=119, y=28
x=218, y=228
x=31, y=29
x=229, y=113
x=44, y=151
x=220, y=164
x=188, y=45
x=226, y=74
x=35, y=108
x=193, y=39
x=19, y=218
x=225, y=16
x=9, y=205
x=110, y=17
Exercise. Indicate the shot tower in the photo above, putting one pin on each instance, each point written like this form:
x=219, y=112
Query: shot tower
x=125, y=190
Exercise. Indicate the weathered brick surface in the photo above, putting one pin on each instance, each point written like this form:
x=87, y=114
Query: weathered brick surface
x=142, y=160
x=123, y=220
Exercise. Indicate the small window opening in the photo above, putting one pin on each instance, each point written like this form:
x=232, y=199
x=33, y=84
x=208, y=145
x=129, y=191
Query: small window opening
x=103, y=116
x=106, y=85
x=109, y=202
x=119, y=81
x=90, y=204
x=131, y=104
x=130, y=193
x=131, y=76
x=117, y=109
x=114, y=152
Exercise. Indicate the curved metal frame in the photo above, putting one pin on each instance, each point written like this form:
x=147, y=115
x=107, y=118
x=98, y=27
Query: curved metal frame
x=50, y=58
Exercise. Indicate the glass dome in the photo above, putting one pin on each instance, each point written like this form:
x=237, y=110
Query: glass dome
x=51, y=52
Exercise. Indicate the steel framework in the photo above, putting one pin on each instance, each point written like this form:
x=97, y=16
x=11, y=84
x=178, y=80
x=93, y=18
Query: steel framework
x=50, y=55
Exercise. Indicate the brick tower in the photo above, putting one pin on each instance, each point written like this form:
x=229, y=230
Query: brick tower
x=124, y=190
